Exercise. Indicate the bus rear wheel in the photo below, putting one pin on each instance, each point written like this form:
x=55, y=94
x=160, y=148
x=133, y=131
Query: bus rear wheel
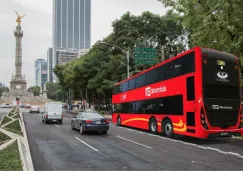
x=168, y=128
x=153, y=128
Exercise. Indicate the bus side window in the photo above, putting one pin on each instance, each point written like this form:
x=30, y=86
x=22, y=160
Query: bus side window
x=178, y=68
x=141, y=81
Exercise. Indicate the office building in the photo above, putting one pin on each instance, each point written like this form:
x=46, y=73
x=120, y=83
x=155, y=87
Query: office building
x=82, y=52
x=49, y=65
x=66, y=55
x=71, y=26
x=40, y=72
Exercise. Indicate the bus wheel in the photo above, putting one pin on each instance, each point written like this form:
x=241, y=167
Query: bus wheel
x=153, y=128
x=118, y=122
x=168, y=128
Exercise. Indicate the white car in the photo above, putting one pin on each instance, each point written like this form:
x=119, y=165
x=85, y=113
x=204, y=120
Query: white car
x=34, y=109
x=52, y=112
x=3, y=105
x=7, y=105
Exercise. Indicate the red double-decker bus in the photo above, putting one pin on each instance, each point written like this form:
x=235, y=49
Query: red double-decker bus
x=196, y=93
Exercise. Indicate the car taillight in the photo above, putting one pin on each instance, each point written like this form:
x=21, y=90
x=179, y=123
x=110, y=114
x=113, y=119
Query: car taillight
x=46, y=115
x=106, y=121
x=88, y=121
x=203, y=118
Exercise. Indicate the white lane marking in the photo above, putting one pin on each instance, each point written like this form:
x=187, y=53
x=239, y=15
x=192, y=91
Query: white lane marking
x=134, y=142
x=186, y=143
x=56, y=125
x=87, y=144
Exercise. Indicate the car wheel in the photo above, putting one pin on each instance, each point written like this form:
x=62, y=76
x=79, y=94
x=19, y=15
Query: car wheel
x=81, y=129
x=153, y=128
x=168, y=128
x=104, y=132
x=60, y=121
x=72, y=126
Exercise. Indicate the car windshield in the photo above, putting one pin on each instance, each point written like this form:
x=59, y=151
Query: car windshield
x=92, y=115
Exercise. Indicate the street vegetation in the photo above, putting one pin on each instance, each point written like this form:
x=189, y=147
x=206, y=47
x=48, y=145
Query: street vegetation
x=10, y=158
x=3, y=138
x=5, y=120
x=14, y=127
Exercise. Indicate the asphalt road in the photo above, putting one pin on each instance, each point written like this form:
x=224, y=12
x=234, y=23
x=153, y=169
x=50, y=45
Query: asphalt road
x=57, y=147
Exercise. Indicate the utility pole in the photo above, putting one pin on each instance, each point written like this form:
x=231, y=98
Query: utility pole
x=162, y=53
x=86, y=98
x=128, y=64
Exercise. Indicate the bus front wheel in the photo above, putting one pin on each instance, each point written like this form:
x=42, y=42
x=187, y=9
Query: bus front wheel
x=168, y=128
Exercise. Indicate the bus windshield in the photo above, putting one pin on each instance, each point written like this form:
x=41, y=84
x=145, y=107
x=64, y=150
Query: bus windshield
x=220, y=75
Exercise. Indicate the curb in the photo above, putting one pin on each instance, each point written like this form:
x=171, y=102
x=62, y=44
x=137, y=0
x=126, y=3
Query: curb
x=27, y=157
x=21, y=154
x=238, y=138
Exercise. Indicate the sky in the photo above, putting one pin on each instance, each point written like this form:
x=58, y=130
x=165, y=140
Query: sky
x=37, y=29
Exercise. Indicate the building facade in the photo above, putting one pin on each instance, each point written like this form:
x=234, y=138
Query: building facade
x=71, y=26
x=49, y=65
x=66, y=55
x=40, y=72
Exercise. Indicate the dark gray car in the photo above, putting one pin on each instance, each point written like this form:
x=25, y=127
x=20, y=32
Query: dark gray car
x=90, y=121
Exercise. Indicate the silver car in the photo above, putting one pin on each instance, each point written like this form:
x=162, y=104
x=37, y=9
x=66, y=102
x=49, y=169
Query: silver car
x=34, y=109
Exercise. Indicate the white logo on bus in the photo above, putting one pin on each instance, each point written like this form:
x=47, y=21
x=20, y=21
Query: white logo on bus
x=149, y=91
x=222, y=75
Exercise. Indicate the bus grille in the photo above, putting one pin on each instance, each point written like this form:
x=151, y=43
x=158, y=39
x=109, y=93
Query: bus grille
x=222, y=119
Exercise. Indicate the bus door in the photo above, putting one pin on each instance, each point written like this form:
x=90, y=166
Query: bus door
x=190, y=105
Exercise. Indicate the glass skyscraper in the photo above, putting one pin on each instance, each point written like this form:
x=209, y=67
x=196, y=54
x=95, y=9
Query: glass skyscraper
x=71, y=25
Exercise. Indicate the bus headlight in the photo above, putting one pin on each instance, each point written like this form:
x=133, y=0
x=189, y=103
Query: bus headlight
x=203, y=119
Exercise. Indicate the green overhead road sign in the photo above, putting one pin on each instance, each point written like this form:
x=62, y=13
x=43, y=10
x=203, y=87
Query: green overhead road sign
x=141, y=55
x=145, y=61
x=147, y=50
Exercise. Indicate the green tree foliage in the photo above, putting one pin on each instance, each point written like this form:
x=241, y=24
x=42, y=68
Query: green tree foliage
x=105, y=65
x=216, y=24
x=3, y=89
x=55, y=91
x=35, y=90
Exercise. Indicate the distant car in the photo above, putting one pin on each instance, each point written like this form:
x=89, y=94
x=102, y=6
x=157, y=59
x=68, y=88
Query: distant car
x=27, y=106
x=52, y=112
x=89, y=121
x=34, y=109
x=7, y=105
x=3, y=105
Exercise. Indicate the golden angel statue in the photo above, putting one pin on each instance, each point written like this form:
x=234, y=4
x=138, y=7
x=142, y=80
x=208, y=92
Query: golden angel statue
x=18, y=20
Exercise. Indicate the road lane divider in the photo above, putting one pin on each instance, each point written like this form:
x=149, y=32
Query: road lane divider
x=87, y=144
x=134, y=142
x=186, y=143
x=56, y=125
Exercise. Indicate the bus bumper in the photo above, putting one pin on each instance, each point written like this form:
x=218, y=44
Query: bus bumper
x=223, y=133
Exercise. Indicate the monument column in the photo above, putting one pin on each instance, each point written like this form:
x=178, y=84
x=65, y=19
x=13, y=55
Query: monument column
x=18, y=52
x=18, y=83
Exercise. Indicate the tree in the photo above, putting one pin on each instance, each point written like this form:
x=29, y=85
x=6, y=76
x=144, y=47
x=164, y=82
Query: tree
x=212, y=23
x=103, y=66
x=35, y=90
x=55, y=92
x=3, y=89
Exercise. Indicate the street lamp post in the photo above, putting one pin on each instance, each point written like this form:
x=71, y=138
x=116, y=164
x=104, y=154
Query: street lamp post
x=124, y=51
